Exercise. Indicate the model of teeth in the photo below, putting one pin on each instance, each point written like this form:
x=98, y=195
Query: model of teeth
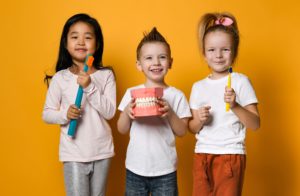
x=146, y=101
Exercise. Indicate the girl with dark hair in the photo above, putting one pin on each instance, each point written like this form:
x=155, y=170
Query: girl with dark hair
x=86, y=157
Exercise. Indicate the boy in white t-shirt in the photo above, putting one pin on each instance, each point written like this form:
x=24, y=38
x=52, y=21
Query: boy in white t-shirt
x=151, y=159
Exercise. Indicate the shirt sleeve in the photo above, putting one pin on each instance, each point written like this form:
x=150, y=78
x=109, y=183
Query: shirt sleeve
x=246, y=93
x=104, y=101
x=52, y=112
x=125, y=100
x=194, y=97
x=183, y=109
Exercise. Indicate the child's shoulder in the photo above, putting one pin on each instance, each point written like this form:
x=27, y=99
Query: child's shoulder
x=62, y=74
x=240, y=77
x=103, y=72
x=201, y=82
x=173, y=91
x=134, y=87
x=103, y=75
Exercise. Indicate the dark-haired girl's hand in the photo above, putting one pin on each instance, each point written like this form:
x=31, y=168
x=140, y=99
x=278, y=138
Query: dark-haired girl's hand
x=73, y=112
x=83, y=79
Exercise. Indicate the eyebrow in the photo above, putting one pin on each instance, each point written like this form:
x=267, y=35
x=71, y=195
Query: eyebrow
x=87, y=33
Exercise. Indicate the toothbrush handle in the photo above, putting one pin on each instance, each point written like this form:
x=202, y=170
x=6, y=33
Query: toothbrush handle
x=229, y=85
x=73, y=122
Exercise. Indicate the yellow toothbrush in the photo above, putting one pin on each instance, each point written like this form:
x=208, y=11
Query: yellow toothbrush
x=229, y=86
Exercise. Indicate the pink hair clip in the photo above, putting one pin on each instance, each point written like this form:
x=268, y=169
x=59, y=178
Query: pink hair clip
x=225, y=21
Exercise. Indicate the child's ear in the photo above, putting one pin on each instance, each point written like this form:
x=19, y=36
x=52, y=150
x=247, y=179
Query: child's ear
x=171, y=62
x=139, y=66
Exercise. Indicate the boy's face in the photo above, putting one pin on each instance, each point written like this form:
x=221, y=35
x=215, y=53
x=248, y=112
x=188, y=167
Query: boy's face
x=154, y=61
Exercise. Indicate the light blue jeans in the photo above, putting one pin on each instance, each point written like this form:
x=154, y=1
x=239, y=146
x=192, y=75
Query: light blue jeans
x=86, y=179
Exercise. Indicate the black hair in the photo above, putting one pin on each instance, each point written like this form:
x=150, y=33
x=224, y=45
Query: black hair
x=64, y=60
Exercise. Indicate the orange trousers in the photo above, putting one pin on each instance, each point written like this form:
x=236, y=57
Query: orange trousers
x=218, y=175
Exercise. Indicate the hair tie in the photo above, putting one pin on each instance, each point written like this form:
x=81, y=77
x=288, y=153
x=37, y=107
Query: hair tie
x=225, y=21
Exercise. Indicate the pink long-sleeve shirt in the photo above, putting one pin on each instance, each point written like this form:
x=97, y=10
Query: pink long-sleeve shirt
x=93, y=139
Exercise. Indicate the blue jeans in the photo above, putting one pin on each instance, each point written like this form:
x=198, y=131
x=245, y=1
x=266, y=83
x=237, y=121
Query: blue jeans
x=137, y=185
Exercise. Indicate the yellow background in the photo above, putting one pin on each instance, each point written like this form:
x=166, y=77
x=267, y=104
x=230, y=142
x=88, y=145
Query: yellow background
x=269, y=55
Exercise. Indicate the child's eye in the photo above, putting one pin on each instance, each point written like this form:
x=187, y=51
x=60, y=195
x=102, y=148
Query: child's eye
x=148, y=58
x=210, y=50
x=163, y=57
x=226, y=49
x=74, y=37
x=88, y=38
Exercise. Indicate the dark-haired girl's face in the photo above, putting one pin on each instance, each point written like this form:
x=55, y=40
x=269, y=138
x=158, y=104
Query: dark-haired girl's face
x=81, y=40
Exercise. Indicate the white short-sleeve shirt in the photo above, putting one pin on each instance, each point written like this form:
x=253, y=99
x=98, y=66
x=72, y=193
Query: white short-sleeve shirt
x=151, y=150
x=225, y=134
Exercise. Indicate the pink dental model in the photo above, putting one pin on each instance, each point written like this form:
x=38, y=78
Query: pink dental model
x=146, y=101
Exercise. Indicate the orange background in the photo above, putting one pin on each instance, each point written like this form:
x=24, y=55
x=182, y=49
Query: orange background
x=269, y=55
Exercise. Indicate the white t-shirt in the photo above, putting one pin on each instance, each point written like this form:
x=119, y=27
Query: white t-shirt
x=225, y=134
x=151, y=150
x=93, y=139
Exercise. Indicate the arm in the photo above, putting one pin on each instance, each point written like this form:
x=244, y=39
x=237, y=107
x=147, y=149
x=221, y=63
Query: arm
x=200, y=118
x=248, y=114
x=52, y=112
x=178, y=125
x=125, y=118
x=104, y=102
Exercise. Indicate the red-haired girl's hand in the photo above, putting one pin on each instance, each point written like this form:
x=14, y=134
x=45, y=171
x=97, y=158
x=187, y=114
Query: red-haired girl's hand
x=230, y=97
x=203, y=114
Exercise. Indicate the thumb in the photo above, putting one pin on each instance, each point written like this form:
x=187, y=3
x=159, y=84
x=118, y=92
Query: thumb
x=207, y=107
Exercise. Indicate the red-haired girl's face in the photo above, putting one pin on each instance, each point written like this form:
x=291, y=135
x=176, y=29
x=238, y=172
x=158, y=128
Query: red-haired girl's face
x=218, y=52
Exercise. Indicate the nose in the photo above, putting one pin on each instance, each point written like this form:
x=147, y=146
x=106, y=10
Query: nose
x=81, y=41
x=219, y=54
x=156, y=61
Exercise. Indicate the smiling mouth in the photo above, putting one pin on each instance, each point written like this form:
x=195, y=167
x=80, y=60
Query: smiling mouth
x=156, y=70
x=81, y=50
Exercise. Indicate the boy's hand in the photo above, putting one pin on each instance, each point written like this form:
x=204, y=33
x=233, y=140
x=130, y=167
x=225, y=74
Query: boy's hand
x=165, y=108
x=73, y=112
x=230, y=96
x=129, y=109
x=203, y=114
x=83, y=79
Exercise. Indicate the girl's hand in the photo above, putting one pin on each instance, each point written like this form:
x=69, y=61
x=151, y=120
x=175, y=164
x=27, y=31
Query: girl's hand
x=165, y=108
x=129, y=109
x=203, y=114
x=230, y=96
x=73, y=112
x=83, y=79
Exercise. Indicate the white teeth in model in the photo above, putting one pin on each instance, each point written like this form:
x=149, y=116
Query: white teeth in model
x=146, y=101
